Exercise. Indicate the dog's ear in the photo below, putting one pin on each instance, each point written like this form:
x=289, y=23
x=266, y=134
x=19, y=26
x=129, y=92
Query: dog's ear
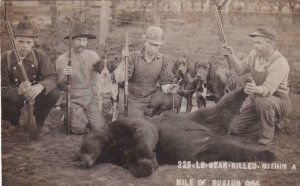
x=175, y=68
x=211, y=71
x=110, y=66
x=95, y=66
x=193, y=71
x=89, y=128
x=98, y=66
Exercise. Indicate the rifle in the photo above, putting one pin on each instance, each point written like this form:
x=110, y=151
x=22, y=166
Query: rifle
x=224, y=40
x=69, y=79
x=31, y=123
x=126, y=79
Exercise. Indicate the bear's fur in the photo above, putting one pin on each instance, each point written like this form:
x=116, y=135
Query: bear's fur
x=128, y=143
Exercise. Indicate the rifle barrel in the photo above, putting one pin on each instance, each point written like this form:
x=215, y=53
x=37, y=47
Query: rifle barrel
x=126, y=78
x=221, y=29
x=13, y=42
x=69, y=79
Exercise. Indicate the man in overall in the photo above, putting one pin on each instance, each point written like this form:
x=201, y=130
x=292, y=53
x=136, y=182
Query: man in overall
x=84, y=102
x=269, y=90
x=42, y=84
x=146, y=68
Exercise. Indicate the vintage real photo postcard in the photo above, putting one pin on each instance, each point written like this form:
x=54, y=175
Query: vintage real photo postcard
x=150, y=92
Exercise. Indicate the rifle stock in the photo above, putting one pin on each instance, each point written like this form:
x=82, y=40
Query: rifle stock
x=126, y=79
x=31, y=122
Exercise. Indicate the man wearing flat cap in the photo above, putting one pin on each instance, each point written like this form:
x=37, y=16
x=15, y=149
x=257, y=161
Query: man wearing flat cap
x=84, y=103
x=268, y=92
x=42, y=84
x=146, y=68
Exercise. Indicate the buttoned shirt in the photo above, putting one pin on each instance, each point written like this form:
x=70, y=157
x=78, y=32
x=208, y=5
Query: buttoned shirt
x=39, y=70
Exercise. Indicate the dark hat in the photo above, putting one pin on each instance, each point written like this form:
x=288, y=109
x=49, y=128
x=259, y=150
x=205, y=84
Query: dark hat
x=81, y=30
x=24, y=29
x=264, y=31
x=154, y=35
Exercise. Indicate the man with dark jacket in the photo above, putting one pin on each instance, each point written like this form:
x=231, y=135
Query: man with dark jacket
x=42, y=84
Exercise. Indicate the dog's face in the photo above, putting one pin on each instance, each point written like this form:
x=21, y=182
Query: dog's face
x=92, y=146
x=202, y=71
x=181, y=66
x=104, y=68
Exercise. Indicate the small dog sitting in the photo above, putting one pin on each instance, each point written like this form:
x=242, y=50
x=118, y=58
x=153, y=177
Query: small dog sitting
x=106, y=85
x=214, y=82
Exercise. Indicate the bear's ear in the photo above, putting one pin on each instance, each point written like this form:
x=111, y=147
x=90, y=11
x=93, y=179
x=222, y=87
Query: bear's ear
x=89, y=128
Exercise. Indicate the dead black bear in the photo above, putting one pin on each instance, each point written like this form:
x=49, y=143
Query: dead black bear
x=197, y=136
x=194, y=137
x=128, y=143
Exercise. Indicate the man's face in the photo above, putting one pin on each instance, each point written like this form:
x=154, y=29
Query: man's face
x=151, y=48
x=261, y=46
x=24, y=45
x=79, y=44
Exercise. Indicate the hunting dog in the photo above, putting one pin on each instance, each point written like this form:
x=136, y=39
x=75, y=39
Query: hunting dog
x=188, y=84
x=106, y=85
x=213, y=82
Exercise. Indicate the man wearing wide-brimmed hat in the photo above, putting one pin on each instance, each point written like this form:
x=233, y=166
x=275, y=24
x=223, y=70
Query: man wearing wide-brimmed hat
x=268, y=99
x=146, y=68
x=84, y=104
x=42, y=84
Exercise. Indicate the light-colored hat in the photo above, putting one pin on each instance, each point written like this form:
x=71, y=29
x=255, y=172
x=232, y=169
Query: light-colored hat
x=24, y=29
x=264, y=31
x=81, y=30
x=154, y=35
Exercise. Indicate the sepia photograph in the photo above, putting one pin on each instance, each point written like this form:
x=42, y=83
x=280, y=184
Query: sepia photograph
x=150, y=92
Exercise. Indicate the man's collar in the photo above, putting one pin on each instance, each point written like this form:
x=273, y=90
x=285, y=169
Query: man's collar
x=29, y=57
x=157, y=56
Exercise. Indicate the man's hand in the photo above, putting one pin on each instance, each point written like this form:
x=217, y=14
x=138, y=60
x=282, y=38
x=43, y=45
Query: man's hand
x=24, y=87
x=226, y=50
x=251, y=88
x=34, y=91
x=68, y=70
x=173, y=89
x=125, y=53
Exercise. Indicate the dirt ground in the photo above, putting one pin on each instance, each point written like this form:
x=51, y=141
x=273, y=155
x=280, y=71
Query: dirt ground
x=49, y=161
